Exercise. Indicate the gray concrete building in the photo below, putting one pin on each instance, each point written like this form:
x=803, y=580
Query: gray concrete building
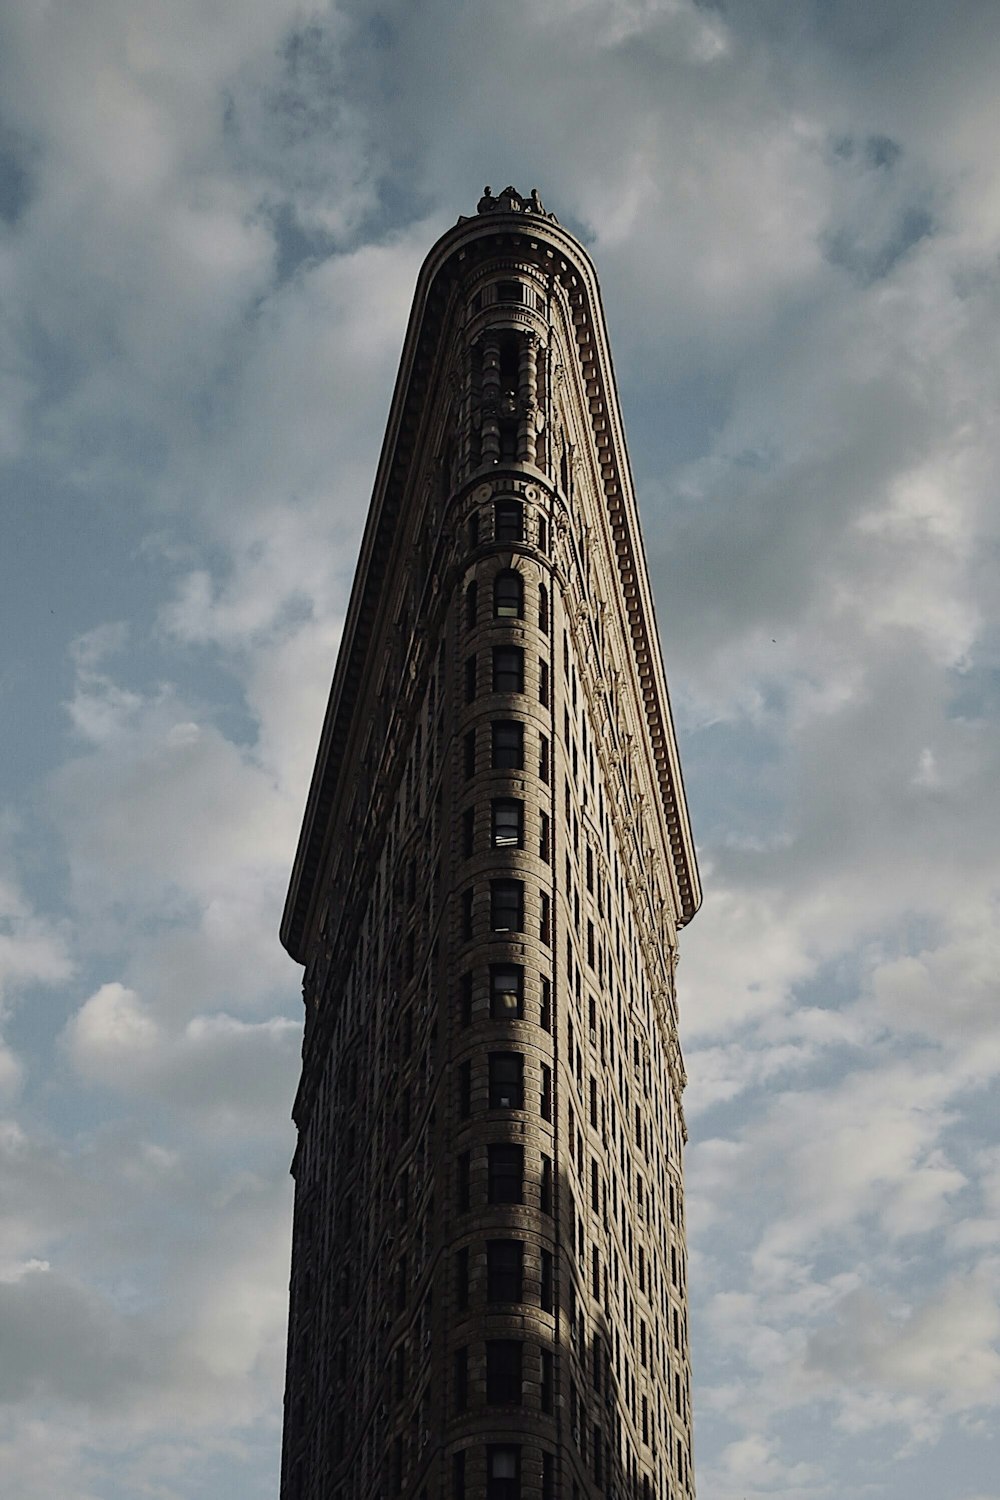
x=489, y=1284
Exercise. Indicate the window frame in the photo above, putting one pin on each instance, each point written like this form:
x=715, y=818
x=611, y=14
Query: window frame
x=508, y=670
x=501, y=1012
x=506, y=1080
x=512, y=609
x=507, y=900
x=507, y=806
x=498, y=751
x=504, y=1170
x=504, y=1282
x=504, y=1373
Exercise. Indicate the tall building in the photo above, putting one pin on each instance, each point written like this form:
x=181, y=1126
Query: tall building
x=489, y=1286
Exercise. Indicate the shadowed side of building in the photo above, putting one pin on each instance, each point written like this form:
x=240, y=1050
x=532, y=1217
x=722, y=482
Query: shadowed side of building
x=488, y=1291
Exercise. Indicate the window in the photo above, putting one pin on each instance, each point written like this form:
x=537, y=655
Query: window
x=543, y=683
x=458, y=1476
x=543, y=609
x=543, y=836
x=468, y=831
x=474, y=529
x=510, y=291
x=467, y=897
x=508, y=824
x=546, y=1102
x=504, y=1270
x=506, y=1080
x=545, y=1014
x=506, y=906
x=508, y=595
x=543, y=758
x=508, y=521
x=471, y=604
x=503, y=1372
x=465, y=998
x=546, y=1382
x=465, y=1090
x=460, y=1378
x=463, y=1180
x=503, y=1473
x=470, y=677
x=506, y=992
x=545, y=918
x=508, y=745
x=462, y=1278
x=508, y=670
x=469, y=752
x=505, y=1173
x=548, y=1478
x=546, y=1298
x=545, y=1191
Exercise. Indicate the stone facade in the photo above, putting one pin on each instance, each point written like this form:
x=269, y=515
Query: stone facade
x=488, y=1294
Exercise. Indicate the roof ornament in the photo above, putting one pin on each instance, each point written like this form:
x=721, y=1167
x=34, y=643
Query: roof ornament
x=510, y=201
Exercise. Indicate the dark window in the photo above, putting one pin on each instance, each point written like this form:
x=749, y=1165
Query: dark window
x=545, y=1014
x=461, y=1378
x=543, y=683
x=465, y=1090
x=508, y=745
x=506, y=992
x=458, y=1476
x=543, y=608
x=503, y=1372
x=463, y=1180
x=546, y=1391
x=545, y=918
x=546, y=1104
x=547, y=1281
x=508, y=520
x=506, y=1080
x=510, y=291
x=474, y=529
x=545, y=1194
x=468, y=831
x=470, y=677
x=508, y=824
x=506, y=906
x=467, y=897
x=470, y=754
x=543, y=758
x=504, y=1270
x=548, y=1478
x=465, y=992
x=508, y=670
x=543, y=836
x=508, y=595
x=503, y=1473
x=462, y=1278
x=506, y=1173
x=471, y=604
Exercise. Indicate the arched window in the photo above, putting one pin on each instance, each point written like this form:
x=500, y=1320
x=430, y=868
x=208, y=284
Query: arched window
x=508, y=596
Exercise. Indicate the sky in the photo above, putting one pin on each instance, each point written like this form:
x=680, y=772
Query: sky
x=212, y=215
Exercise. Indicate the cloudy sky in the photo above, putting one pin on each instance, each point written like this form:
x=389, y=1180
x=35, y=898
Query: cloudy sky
x=212, y=213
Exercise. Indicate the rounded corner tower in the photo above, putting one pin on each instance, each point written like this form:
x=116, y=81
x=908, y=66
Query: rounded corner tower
x=488, y=1292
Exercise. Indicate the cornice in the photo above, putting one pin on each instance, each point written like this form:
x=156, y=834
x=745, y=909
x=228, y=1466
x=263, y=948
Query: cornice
x=543, y=242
